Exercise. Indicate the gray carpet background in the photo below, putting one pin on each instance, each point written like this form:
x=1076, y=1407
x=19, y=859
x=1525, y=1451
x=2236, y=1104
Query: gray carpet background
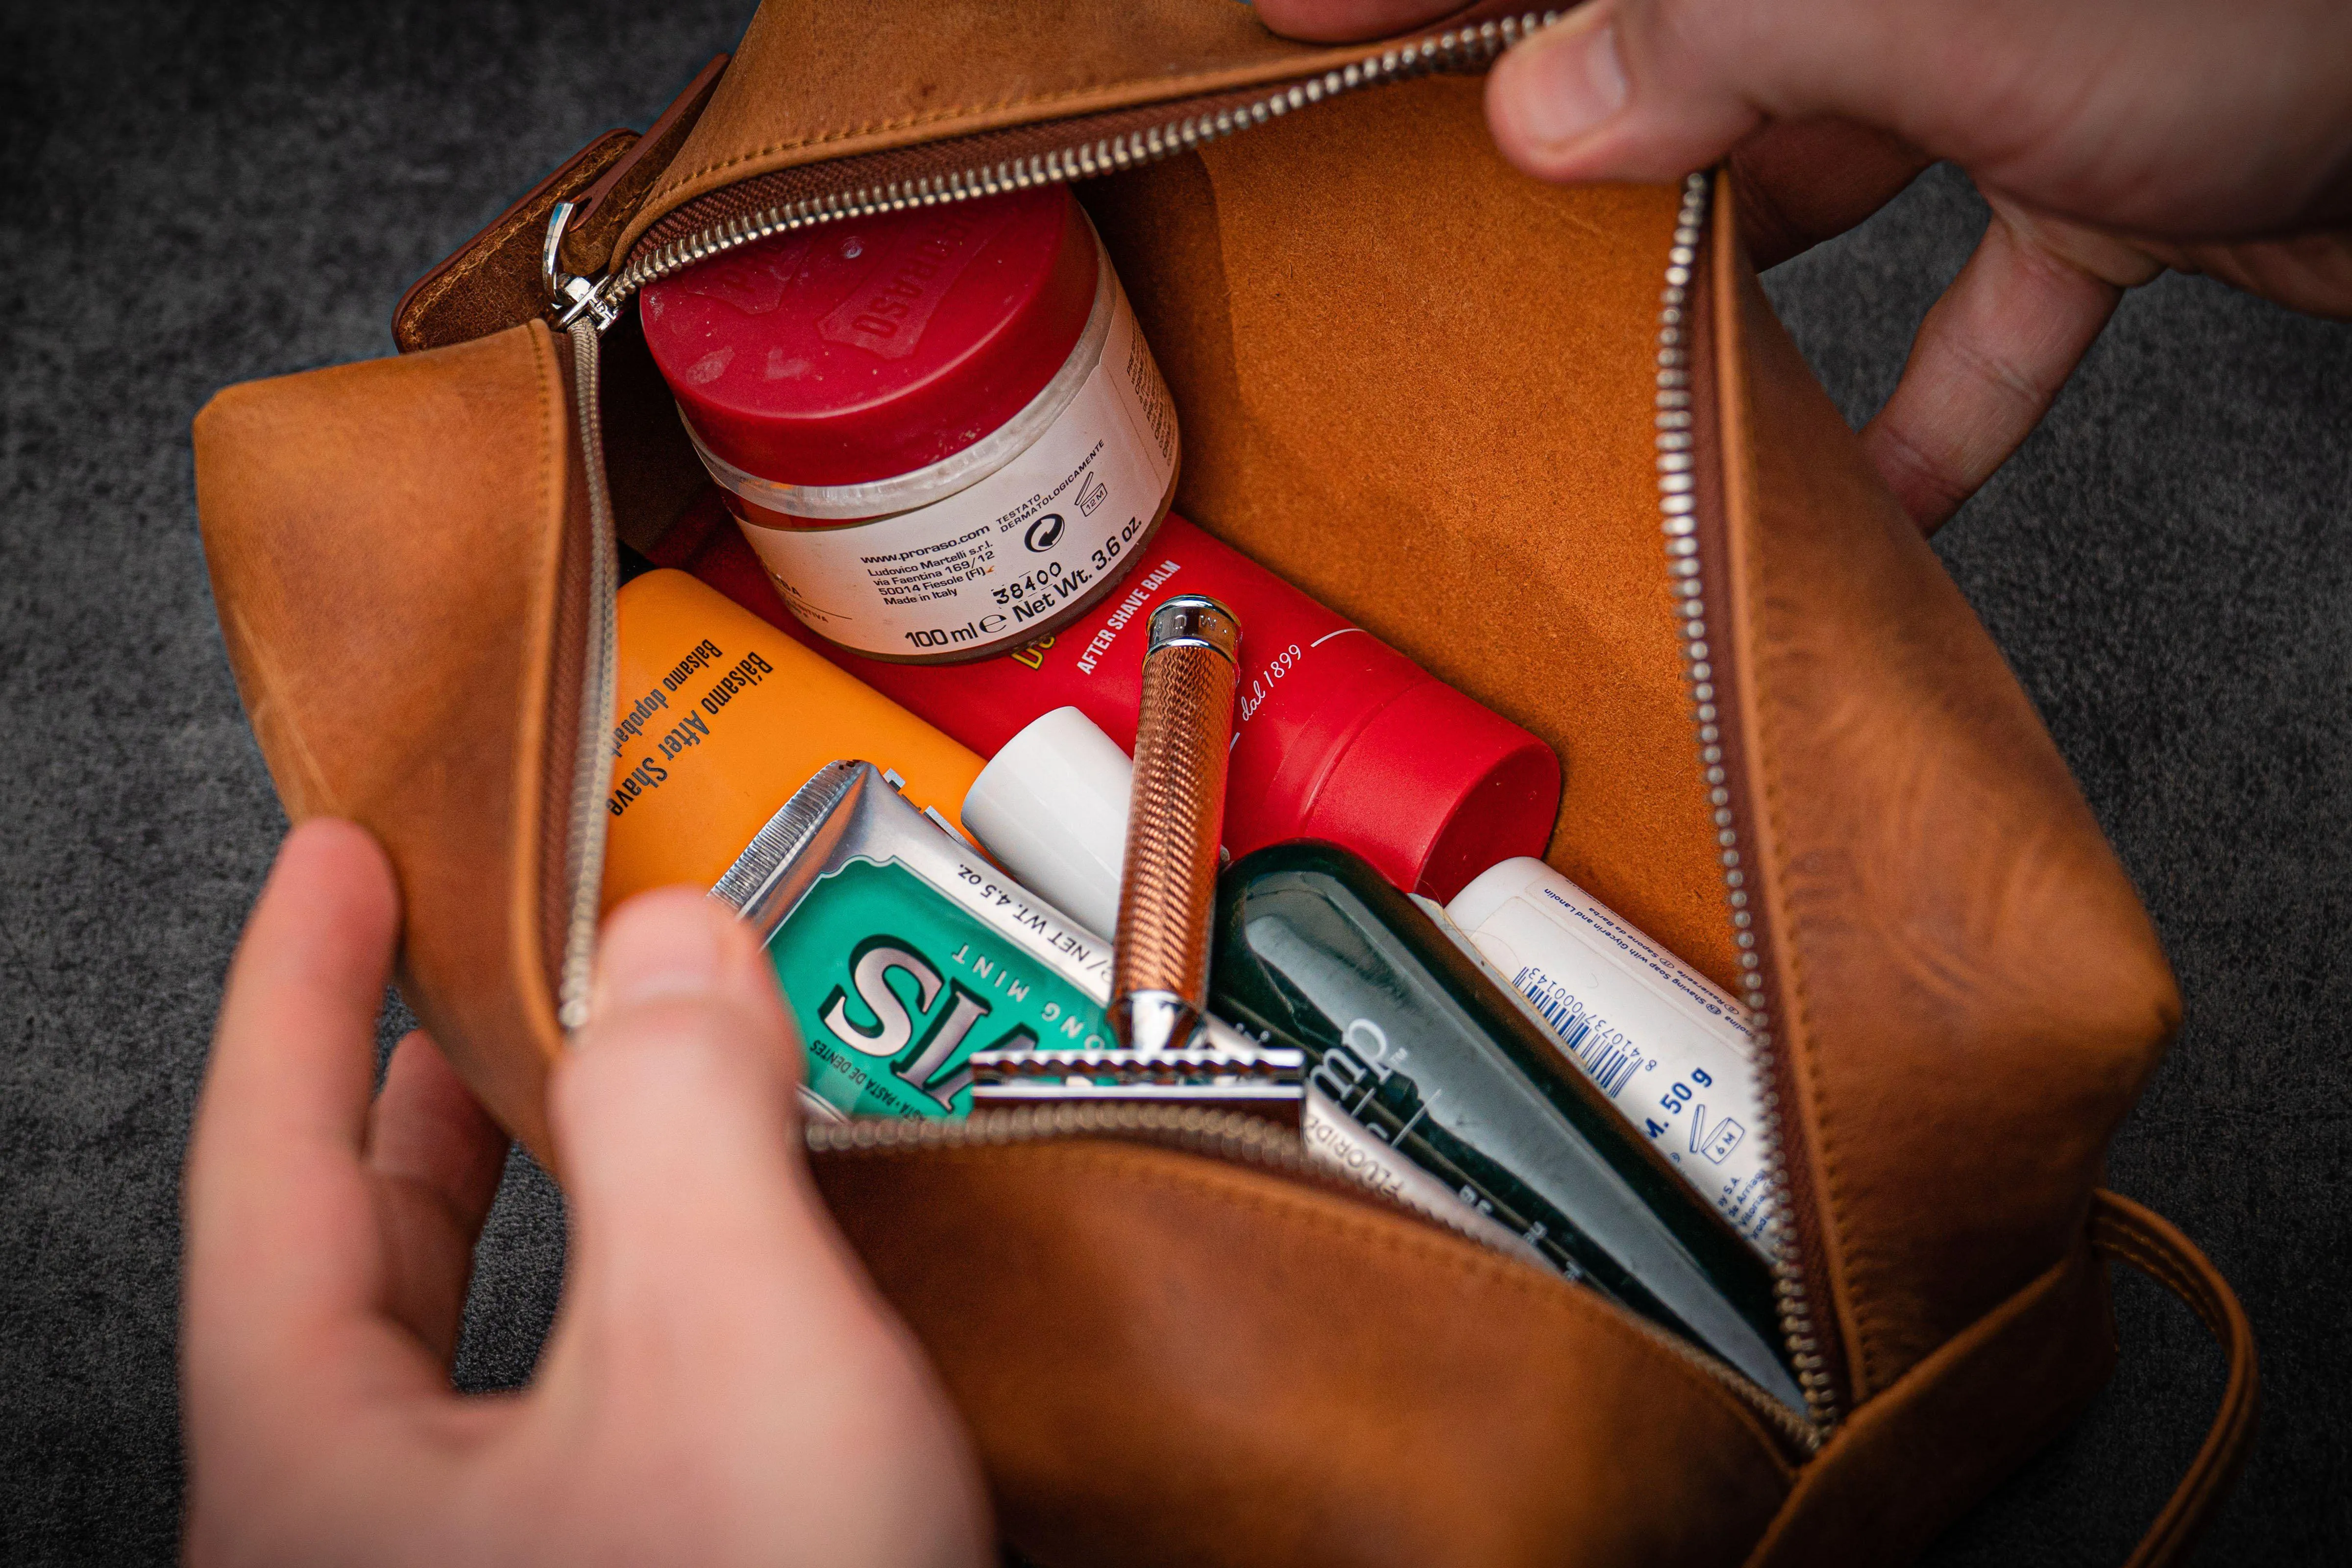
x=192, y=198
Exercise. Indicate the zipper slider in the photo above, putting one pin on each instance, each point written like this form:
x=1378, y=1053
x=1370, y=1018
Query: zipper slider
x=571, y=297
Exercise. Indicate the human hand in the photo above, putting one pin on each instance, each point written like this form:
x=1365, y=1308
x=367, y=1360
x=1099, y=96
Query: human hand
x=2112, y=138
x=722, y=1384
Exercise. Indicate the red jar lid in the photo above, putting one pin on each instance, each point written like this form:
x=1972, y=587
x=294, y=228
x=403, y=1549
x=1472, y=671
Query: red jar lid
x=871, y=347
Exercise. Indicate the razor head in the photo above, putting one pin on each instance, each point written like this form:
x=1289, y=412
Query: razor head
x=1266, y=1081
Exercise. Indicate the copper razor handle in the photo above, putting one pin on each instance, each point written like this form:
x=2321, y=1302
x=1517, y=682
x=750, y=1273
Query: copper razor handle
x=1176, y=815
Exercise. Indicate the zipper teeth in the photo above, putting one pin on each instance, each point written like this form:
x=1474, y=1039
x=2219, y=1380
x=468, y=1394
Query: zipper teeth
x=1677, y=504
x=1461, y=49
x=1236, y=1139
x=584, y=847
x=1218, y=1134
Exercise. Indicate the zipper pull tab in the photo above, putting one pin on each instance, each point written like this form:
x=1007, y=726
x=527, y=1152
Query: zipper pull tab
x=571, y=297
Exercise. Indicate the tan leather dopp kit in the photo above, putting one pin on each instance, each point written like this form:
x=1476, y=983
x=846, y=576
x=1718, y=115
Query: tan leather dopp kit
x=1428, y=390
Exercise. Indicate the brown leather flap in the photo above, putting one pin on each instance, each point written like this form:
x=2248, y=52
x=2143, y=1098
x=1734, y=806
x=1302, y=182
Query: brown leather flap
x=492, y=281
x=397, y=552
x=814, y=81
x=1169, y=1361
x=1966, y=992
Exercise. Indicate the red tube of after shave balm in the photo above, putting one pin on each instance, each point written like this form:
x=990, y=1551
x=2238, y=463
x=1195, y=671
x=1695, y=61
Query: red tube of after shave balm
x=1340, y=737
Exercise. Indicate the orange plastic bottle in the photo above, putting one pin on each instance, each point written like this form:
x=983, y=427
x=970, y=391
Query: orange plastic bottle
x=719, y=716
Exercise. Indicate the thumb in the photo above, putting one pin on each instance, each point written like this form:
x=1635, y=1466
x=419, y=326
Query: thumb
x=1636, y=89
x=1650, y=89
x=673, y=1108
x=716, y=1328
x=2167, y=119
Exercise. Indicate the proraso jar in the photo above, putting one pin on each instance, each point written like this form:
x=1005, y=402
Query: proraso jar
x=939, y=427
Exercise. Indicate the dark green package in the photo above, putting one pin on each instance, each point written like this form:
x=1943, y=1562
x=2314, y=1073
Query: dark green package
x=1413, y=1050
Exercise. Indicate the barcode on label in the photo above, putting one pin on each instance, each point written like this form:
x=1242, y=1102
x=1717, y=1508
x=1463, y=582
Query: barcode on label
x=1605, y=1058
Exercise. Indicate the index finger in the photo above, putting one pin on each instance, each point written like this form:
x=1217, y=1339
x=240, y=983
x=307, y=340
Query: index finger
x=279, y=1213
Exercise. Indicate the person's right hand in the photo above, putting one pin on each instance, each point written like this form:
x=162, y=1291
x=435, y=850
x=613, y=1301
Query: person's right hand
x=722, y=1385
x=2112, y=139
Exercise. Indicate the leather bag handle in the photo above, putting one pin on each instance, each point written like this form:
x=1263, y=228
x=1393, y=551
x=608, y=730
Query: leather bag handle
x=2123, y=1229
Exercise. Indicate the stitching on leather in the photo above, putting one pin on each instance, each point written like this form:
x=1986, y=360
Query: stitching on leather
x=2184, y=1283
x=2163, y=1271
x=2228, y=1433
x=1178, y=85
x=542, y=356
x=552, y=462
x=1520, y=1278
x=2121, y=1232
x=2125, y=1238
x=478, y=255
x=2122, y=1236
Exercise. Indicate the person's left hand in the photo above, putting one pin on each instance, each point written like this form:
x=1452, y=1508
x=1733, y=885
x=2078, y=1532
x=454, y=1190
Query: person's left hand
x=722, y=1384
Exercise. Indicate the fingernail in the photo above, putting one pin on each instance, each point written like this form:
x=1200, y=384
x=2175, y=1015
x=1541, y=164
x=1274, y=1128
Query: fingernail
x=655, y=953
x=1565, y=80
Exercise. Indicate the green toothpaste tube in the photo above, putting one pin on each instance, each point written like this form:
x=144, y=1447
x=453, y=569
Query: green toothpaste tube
x=902, y=952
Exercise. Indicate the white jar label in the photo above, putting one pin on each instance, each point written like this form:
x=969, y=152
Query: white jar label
x=981, y=568
x=1670, y=1050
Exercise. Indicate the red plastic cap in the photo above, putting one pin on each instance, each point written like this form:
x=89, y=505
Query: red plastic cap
x=872, y=347
x=1435, y=789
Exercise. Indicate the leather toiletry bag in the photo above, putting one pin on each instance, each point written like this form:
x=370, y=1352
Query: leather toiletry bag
x=1551, y=443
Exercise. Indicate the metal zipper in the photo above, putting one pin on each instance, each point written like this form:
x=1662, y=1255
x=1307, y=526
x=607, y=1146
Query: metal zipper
x=1235, y=1138
x=586, y=308
x=583, y=842
x=1677, y=503
x=1463, y=49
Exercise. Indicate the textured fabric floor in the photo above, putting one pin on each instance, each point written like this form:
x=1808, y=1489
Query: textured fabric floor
x=193, y=198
